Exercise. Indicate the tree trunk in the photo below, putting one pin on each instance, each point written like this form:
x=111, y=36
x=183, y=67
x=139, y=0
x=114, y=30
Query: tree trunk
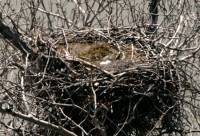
x=153, y=11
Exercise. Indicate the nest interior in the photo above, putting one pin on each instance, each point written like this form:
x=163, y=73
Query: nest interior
x=134, y=94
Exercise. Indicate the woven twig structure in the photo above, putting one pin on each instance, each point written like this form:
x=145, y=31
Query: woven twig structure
x=122, y=98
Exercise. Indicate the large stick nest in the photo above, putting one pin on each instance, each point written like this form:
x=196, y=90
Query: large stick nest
x=131, y=95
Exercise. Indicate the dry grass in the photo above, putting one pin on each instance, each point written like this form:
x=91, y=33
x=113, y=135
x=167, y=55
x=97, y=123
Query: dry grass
x=96, y=52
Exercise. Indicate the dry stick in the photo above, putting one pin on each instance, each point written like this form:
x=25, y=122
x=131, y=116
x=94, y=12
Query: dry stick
x=45, y=68
x=125, y=122
x=66, y=105
x=95, y=98
x=160, y=120
x=109, y=25
x=77, y=125
x=190, y=55
x=67, y=54
x=88, y=11
x=79, y=7
x=87, y=64
x=47, y=14
x=97, y=12
x=177, y=30
x=24, y=95
x=132, y=50
x=23, y=87
x=11, y=128
x=56, y=15
x=37, y=121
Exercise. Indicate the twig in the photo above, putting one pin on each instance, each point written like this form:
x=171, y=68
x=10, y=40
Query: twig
x=95, y=98
x=177, y=30
x=77, y=125
x=67, y=54
x=56, y=15
x=79, y=7
x=37, y=121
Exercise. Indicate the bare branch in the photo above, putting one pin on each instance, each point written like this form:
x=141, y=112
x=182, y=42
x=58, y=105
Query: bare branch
x=37, y=121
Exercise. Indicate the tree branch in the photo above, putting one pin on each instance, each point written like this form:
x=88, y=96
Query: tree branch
x=37, y=121
x=13, y=37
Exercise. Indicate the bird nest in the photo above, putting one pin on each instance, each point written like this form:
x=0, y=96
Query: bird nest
x=135, y=94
